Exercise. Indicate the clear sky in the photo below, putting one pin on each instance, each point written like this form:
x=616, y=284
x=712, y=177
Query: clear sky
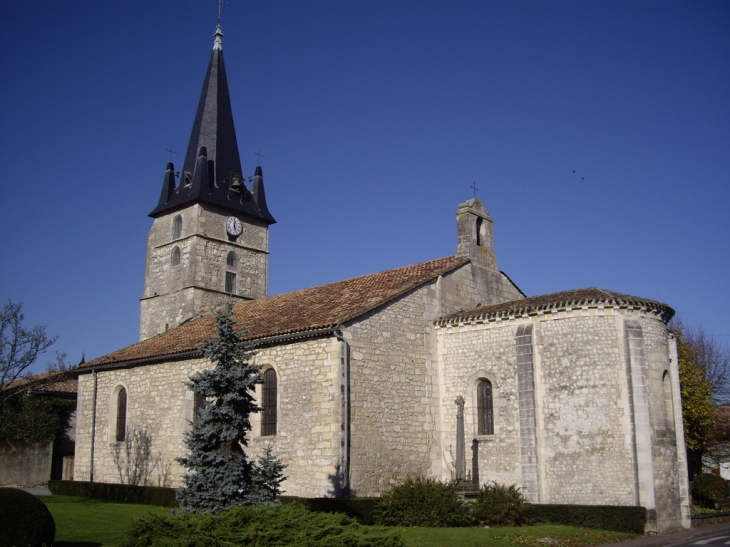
x=374, y=119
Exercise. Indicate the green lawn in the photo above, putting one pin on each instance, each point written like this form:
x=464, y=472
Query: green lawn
x=528, y=536
x=84, y=522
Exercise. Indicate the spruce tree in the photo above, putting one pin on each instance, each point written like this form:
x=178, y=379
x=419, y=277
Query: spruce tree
x=221, y=475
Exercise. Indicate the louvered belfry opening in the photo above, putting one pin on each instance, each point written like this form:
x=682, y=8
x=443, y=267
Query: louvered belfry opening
x=268, y=411
x=485, y=408
x=121, y=415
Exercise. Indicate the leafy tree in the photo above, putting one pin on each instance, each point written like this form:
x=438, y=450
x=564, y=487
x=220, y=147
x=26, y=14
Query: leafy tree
x=35, y=418
x=697, y=390
x=222, y=476
x=19, y=349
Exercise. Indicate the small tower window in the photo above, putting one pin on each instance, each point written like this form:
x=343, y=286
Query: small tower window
x=176, y=227
x=268, y=406
x=121, y=415
x=175, y=256
x=485, y=408
x=230, y=282
x=480, y=221
x=231, y=266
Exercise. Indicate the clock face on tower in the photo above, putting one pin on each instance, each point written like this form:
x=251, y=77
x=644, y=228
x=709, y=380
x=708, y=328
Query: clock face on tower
x=234, y=226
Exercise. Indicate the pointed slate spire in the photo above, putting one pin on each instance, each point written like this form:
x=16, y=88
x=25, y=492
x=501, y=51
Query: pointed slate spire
x=213, y=133
x=168, y=185
x=259, y=196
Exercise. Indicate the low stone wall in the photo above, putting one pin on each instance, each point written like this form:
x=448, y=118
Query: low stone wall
x=25, y=463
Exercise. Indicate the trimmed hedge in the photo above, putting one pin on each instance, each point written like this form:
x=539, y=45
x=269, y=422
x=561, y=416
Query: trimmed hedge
x=361, y=509
x=25, y=521
x=122, y=493
x=604, y=517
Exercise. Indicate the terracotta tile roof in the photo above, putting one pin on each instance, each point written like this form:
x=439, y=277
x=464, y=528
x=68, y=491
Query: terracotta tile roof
x=533, y=304
x=50, y=382
x=322, y=307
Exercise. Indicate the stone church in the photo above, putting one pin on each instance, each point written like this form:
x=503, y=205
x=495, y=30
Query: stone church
x=443, y=369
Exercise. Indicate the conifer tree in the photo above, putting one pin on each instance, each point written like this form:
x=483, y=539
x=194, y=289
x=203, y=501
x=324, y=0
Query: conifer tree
x=221, y=475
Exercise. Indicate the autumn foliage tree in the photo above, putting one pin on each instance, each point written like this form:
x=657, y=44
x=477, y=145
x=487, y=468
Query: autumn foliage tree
x=704, y=377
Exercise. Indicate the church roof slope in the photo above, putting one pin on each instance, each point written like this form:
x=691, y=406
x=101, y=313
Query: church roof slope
x=558, y=300
x=322, y=307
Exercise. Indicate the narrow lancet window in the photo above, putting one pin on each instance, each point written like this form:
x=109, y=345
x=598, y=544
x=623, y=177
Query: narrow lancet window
x=268, y=407
x=175, y=256
x=121, y=415
x=176, y=227
x=485, y=408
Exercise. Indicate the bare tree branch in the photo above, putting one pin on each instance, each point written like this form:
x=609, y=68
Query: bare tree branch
x=20, y=347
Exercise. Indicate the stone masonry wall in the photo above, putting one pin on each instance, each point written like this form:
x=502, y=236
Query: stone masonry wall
x=585, y=431
x=468, y=355
x=667, y=488
x=160, y=407
x=173, y=294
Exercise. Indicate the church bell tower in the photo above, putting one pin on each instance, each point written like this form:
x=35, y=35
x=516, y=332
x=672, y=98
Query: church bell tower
x=209, y=241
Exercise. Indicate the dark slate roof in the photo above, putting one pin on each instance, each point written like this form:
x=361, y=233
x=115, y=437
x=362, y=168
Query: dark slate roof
x=212, y=156
x=305, y=311
x=546, y=302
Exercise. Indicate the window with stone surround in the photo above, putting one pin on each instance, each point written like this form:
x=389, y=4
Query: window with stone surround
x=199, y=403
x=121, y=425
x=485, y=408
x=175, y=256
x=230, y=282
x=268, y=406
x=231, y=260
x=176, y=227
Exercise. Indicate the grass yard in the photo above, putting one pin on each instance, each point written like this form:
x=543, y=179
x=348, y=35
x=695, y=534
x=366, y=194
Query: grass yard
x=84, y=522
x=528, y=536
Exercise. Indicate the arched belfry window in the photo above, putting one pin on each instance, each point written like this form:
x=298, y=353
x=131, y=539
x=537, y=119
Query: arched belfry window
x=121, y=424
x=268, y=406
x=176, y=227
x=232, y=259
x=175, y=256
x=485, y=408
x=480, y=221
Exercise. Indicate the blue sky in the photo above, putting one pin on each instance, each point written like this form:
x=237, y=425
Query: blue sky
x=375, y=118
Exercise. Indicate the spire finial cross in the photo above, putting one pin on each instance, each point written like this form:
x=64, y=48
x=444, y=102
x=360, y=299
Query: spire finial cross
x=171, y=151
x=259, y=155
x=474, y=186
x=220, y=3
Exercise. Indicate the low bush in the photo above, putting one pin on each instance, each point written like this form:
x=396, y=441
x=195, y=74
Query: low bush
x=25, y=521
x=289, y=524
x=123, y=493
x=604, y=517
x=423, y=502
x=499, y=505
x=361, y=509
x=709, y=487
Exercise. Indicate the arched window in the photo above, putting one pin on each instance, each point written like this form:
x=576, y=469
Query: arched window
x=121, y=415
x=485, y=408
x=268, y=408
x=175, y=256
x=176, y=227
x=668, y=403
x=231, y=265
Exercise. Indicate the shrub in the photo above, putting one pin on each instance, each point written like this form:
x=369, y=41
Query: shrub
x=499, y=505
x=361, y=509
x=25, y=521
x=708, y=486
x=121, y=493
x=423, y=502
x=272, y=526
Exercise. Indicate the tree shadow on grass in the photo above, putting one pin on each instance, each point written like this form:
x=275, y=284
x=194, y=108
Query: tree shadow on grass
x=76, y=544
